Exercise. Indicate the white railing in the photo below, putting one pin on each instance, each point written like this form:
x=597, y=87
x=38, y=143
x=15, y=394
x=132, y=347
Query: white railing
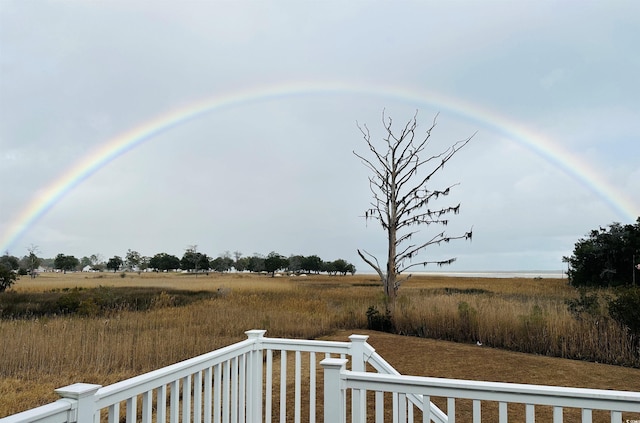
x=339, y=381
x=258, y=380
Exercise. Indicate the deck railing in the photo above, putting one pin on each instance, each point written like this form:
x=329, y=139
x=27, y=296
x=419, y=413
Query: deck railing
x=265, y=379
x=339, y=381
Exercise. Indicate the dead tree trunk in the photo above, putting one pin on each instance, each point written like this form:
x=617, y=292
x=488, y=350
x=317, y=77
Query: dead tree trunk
x=401, y=172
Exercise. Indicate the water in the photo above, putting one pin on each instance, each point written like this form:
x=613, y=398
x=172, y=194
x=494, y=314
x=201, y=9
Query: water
x=545, y=274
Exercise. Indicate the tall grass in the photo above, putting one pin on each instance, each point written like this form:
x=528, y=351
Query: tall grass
x=534, y=324
x=522, y=315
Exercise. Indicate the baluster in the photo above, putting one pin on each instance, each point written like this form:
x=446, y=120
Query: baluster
x=503, y=412
x=132, y=403
x=234, y=390
x=586, y=415
x=174, y=409
x=268, y=395
x=161, y=404
x=226, y=387
x=312, y=387
x=394, y=406
x=296, y=392
x=359, y=411
x=557, y=415
x=616, y=417
x=197, y=397
x=147, y=406
x=476, y=411
x=530, y=413
x=186, y=398
x=114, y=413
x=402, y=407
x=426, y=407
x=208, y=382
x=217, y=393
x=283, y=386
x=451, y=410
x=242, y=386
x=379, y=407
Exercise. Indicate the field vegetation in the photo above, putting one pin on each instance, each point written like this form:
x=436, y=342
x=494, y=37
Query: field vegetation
x=116, y=327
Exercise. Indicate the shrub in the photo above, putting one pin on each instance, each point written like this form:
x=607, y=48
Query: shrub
x=68, y=303
x=625, y=309
x=7, y=277
x=586, y=304
x=378, y=321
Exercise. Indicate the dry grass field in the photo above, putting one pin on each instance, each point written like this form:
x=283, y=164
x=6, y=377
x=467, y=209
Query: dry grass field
x=39, y=355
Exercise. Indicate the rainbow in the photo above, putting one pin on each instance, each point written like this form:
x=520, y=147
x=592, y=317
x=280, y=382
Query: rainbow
x=541, y=145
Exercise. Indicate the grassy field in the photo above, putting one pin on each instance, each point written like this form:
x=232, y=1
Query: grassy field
x=44, y=353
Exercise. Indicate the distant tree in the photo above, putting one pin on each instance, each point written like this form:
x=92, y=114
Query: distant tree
x=605, y=256
x=132, y=260
x=189, y=259
x=65, y=263
x=241, y=264
x=275, y=262
x=194, y=261
x=48, y=263
x=221, y=264
x=8, y=276
x=84, y=262
x=296, y=263
x=164, y=262
x=115, y=263
x=312, y=264
x=343, y=267
x=97, y=262
x=32, y=260
x=328, y=267
x=10, y=262
x=401, y=172
x=227, y=260
x=143, y=264
x=95, y=259
x=256, y=263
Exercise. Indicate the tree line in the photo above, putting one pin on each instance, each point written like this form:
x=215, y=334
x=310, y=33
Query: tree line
x=191, y=261
x=607, y=256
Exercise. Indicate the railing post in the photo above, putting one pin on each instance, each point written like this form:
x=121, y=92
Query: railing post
x=359, y=360
x=334, y=410
x=358, y=352
x=254, y=384
x=83, y=394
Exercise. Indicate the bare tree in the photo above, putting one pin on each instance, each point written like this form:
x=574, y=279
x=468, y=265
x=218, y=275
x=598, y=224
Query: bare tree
x=401, y=170
x=33, y=260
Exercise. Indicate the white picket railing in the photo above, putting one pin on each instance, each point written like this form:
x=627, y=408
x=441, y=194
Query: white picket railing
x=338, y=381
x=250, y=382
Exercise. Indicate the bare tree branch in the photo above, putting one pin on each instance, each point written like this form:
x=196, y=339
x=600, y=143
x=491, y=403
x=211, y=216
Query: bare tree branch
x=400, y=174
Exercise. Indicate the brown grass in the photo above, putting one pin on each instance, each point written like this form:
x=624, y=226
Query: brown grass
x=40, y=355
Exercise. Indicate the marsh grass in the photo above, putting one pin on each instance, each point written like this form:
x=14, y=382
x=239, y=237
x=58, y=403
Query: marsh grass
x=43, y=353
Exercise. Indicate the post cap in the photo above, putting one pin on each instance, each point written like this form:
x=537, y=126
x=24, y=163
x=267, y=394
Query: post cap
x=77, y=390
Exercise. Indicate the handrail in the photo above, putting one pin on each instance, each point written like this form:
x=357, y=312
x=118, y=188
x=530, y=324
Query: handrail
x=497, y=391
x=55, y=412
x=306, y=345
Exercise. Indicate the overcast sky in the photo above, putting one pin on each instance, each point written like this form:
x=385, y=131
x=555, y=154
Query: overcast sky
x=552, y=89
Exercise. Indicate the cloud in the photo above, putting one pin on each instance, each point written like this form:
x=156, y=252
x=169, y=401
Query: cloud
x=279, y=173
